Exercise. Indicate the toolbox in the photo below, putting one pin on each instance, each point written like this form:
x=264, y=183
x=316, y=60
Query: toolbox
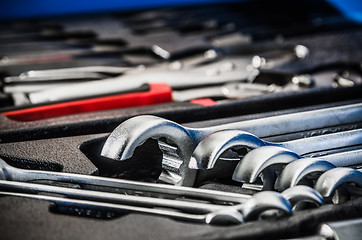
x=232, y=120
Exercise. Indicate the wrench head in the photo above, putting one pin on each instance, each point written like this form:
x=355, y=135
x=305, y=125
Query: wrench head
x=295, y=171
x=224, y=216
x=3, y=165
x=122, y=142
x=329, y=181
x=262, y=202
x=302, y=193
x=260, y=159
x=208, y=151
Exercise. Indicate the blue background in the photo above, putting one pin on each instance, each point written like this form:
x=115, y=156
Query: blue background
x=15, y=9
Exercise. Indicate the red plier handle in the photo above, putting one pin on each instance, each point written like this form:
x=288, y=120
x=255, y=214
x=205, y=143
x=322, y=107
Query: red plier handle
x=158, y=93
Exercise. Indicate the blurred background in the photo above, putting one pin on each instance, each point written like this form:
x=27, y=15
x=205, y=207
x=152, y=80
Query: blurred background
x=17, y=9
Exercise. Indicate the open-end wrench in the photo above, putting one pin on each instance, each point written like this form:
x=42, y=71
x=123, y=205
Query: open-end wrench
x=329, y=181
x=122, y=142
x=295, y=171
x=257, y=160
x=213, y=146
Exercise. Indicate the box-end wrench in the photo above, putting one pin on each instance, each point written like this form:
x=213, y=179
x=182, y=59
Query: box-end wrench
x=213, y=146
x=329, y=181
x=297, y=170
x=122, y=142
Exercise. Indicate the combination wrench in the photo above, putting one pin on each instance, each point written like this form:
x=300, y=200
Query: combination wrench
x=122, y=142
x=251, y=209
x=258, y=160
x=211, y=148
x=11, y=173
x=329, y=181
x=297, y=170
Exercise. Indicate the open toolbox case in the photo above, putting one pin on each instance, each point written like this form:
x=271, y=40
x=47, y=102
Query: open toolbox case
x=62, y=140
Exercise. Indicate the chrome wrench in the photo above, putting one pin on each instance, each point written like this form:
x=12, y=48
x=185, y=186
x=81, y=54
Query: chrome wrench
x=258, y=160
x=295, y=171
x=10, y=173
x=329, y=181
x=208, y=213
x=122, y=142
x=211, y=148
x=256, y=204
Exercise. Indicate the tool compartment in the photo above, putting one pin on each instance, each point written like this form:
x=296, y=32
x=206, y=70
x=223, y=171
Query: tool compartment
x=269, y=62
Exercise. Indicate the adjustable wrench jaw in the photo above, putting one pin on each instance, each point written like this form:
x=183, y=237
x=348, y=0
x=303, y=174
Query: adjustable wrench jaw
x=257, y=160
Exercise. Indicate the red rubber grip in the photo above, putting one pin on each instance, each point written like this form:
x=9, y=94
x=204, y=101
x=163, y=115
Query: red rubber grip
x=158, y=93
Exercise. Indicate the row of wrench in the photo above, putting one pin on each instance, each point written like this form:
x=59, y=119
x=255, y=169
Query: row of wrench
x=335, y=169
x=108, y=198
x=189, y=149
x=105, y=197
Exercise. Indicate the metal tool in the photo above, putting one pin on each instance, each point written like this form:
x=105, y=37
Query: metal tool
x=298, y=194
x=258, y=160
x=295, y=171
x=329, y=181
x=102, y=196
x=66, y=74
x=211, y=148
x=227, y=216
x=165, y=196
x=10, y=173
x=228, y=69
x=250, y=209
x=122, y=142
x=156, y=94
x=273, y=59
x=175, y=79
x=339, y=230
